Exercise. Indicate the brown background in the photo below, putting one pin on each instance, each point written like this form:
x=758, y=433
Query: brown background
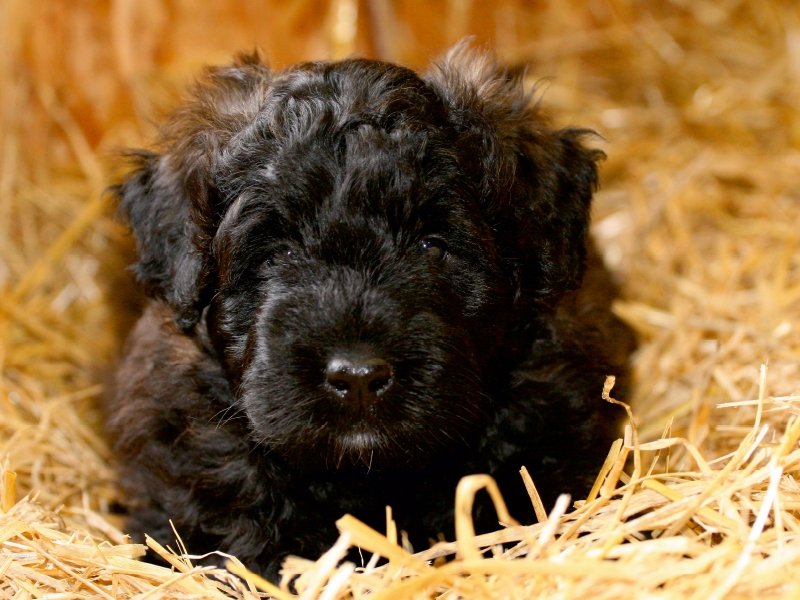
x=112, y=64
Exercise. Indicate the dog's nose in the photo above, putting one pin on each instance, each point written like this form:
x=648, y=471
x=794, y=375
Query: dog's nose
x=361, y=381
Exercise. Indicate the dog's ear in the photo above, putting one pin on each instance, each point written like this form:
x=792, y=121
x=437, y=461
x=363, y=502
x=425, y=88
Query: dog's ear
x=536, y=182
x=171, y=199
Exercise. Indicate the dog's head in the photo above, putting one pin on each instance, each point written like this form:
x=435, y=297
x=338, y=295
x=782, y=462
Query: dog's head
x=363, y=241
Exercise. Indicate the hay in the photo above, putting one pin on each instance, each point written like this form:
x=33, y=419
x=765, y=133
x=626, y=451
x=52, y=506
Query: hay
x=698, y=217
x=41, y=556
x=710, y=532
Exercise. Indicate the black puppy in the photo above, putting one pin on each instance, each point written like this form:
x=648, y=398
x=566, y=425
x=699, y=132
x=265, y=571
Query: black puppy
x=361, y=283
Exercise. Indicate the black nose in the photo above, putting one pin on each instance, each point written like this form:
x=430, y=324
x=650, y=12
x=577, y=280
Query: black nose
x=361, y=381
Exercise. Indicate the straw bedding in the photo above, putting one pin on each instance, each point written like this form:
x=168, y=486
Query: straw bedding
x=699, y=218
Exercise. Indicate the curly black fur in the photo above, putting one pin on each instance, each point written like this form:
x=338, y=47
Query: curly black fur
x=356, y=213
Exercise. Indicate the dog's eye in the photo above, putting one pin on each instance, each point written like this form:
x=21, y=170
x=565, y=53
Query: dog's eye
x=435, y=249
x=282, y=255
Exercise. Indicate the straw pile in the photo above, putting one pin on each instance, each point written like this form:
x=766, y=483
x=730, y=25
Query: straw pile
x=698, y=217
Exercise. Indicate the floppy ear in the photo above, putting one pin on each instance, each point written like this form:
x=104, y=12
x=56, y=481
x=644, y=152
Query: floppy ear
x=171, y=199
x=536, y=182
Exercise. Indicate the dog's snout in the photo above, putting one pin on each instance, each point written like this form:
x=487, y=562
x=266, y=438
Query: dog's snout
x=361, y=381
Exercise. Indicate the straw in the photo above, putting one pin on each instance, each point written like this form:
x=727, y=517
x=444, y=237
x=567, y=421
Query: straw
x=696, y=218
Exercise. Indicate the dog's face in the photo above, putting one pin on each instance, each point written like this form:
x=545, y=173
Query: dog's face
x=360, y=288
x=364, y=242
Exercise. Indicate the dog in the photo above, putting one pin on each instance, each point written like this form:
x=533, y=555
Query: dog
x=366, y=284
